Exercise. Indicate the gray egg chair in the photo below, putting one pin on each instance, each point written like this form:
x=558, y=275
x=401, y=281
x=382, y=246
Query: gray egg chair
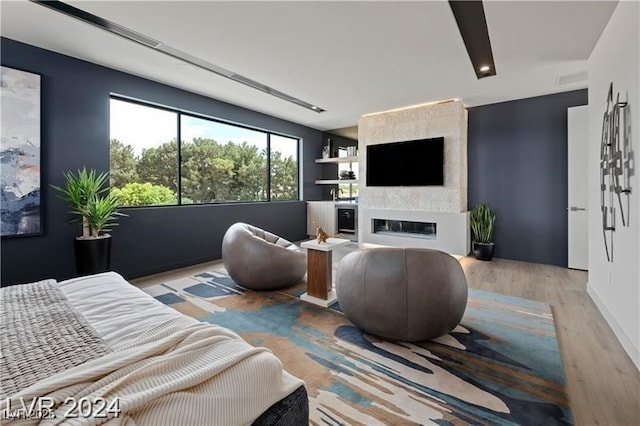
x=260, y=260
x=404, y=294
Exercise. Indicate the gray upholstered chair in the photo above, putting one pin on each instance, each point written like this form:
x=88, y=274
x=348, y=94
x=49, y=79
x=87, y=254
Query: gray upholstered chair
x=402, y=294
x=260, y=260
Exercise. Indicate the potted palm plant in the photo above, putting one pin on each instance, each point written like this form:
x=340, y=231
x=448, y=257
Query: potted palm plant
x=482, y=221
x=96, y=208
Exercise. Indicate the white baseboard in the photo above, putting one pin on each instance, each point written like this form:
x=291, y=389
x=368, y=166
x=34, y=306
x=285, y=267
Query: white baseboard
x=625, y=341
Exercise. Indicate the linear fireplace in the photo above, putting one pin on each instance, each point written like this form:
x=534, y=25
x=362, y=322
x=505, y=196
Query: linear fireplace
x=405, y=228
x=444, y=231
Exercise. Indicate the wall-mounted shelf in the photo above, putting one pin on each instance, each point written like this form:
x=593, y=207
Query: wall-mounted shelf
x=338, y=160
x=336, y=181
x=343, y=163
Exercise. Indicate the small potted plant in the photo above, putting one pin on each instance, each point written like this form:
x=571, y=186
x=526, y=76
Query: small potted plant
x=93, y=205
x=482, y=221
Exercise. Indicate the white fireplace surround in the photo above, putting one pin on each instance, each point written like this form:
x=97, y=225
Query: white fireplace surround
x=444, y=205
x=452, y=230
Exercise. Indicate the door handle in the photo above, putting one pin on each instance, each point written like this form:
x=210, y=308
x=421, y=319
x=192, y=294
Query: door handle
x=576, y=209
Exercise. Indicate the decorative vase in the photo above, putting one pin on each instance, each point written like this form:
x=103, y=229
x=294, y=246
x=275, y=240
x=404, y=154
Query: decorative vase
x=325, y=151
x=483, y=251
x=93, y=255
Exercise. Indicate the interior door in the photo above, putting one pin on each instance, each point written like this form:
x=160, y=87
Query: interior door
x=578, y=255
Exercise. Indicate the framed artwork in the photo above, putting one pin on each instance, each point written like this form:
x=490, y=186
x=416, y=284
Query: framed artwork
x=20, y=179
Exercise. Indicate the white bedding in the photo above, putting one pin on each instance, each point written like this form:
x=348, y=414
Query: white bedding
x=117, y=310
x=121, y=313
x=178, y=374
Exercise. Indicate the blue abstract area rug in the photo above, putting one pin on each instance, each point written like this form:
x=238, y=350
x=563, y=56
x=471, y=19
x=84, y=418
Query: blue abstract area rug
x=500, y=366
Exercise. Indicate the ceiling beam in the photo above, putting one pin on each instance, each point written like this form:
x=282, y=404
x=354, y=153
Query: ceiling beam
x=472, y=24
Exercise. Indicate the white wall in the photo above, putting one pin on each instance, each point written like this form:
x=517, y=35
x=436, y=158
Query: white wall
x=615, y=286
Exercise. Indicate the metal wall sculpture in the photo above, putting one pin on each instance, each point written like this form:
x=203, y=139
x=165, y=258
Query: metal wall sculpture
x=616, y=168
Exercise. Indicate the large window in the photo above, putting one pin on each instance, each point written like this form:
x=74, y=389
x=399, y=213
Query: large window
x=164, y=157
x=221, y=162
x=144, y=154
x=284, y=168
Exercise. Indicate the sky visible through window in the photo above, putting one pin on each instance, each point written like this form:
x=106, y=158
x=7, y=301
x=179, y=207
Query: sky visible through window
x=143, y=127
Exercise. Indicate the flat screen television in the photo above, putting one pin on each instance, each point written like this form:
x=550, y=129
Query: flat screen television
x=409, y=163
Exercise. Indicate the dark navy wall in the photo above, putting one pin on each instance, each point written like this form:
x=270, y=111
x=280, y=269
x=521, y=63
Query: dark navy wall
x=517, y=156
x=75, y=134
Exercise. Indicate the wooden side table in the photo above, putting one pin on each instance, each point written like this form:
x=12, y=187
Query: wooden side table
x=319, y=264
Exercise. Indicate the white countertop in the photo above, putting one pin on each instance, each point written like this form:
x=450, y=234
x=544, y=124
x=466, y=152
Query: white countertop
x=338, y=202
x=328, y=246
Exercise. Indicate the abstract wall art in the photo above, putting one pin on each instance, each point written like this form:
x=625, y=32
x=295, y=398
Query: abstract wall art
x=20, y=204
x=617, y=165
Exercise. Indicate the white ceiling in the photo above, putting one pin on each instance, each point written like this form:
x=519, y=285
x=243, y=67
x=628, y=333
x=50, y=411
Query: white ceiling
x=350, y=58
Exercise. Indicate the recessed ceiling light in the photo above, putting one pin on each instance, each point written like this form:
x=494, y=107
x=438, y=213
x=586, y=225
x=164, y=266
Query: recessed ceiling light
x=485, y=68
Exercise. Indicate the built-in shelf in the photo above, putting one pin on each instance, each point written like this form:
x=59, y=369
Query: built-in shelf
x=336, y=181
x=337, y=160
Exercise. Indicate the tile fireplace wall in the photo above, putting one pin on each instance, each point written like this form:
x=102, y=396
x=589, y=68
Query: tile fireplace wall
x=444, y=205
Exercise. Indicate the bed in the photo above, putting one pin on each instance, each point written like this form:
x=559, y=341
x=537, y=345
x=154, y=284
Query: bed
x=101, y=337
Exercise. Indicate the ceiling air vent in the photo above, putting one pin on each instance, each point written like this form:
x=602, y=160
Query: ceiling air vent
x=572, y=78
x=273, y=92
x=132, y=35
x=249, y=82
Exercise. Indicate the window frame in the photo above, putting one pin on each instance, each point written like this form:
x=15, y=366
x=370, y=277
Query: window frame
x=179, y=113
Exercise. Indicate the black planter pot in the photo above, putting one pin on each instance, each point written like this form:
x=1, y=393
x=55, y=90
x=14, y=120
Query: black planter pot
x=483, y=251
x=93, y=255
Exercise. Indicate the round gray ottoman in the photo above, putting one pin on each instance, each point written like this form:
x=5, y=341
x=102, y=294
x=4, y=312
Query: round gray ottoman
x=404, y=294
x=260, y=260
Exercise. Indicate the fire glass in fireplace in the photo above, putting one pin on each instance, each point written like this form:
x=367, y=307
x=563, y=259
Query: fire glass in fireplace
x=405, y=228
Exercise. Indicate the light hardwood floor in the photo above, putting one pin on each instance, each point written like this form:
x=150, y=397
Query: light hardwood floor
x=603, y=383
